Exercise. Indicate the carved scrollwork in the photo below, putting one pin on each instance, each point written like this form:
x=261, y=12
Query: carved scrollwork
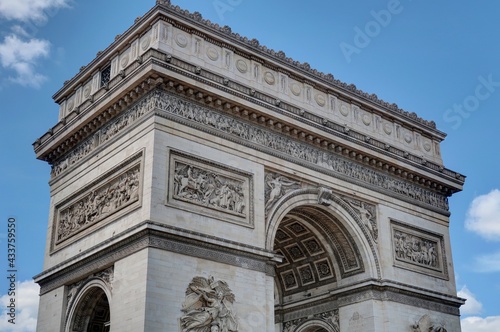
x=208, y=307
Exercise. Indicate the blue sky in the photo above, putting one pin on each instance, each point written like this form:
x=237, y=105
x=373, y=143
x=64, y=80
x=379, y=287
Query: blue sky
x=438, y=59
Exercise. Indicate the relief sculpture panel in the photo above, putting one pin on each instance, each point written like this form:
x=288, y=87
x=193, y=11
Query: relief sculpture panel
x=208, y=188
x=418, y=250
x=117, y=191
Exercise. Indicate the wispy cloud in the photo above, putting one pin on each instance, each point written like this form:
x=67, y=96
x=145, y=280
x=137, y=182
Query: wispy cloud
x=30, y=10
x=20, y=51
x=26, y=308
x=483, y=216
x=488, y=263
x=479, y=324
x=21, y=57
x=472, y=306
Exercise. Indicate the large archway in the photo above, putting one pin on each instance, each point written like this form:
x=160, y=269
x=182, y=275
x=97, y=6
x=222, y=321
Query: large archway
x=324, y=246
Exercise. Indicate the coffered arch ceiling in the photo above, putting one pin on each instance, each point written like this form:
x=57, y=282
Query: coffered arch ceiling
x=317, y=250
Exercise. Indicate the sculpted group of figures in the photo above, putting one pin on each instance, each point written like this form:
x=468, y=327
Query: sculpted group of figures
x=414, y=249
x=99, y=203
x=208, y=188
x=284, y=144
x=208, y=307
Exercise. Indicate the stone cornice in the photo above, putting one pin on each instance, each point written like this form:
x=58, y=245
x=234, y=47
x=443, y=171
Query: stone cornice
x=381, y=290
x=417, y=172
x=251, y=49
x=150, y=234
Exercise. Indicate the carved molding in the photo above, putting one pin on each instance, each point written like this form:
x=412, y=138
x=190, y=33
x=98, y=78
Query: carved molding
x=330, y=318
x=208, y=307
x=203, y=186
x=418, y=250
x=72, y=290
x=111, y=195
x=203, y=118
x=122, y=123
x=167, y=238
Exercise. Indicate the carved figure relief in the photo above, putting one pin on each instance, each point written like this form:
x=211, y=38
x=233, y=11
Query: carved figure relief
x=418, y=250
x=366, y=213
x=297, y=150
x=208, y=307
x=425, y=324
x=99, y=203
x=210, y=186
x=277, y=186
x=415, y=249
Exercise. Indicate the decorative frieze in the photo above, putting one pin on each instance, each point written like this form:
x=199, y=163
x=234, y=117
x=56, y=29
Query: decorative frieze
x=331, y=318
x=418, y=250
x=208, y=307
x=209, y=188
x=105, y=134
x=115, y=192
x=312, y=156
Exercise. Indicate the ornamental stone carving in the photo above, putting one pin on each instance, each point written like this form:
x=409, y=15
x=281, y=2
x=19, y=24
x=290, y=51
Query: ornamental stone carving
x=208, y=307
x=99, y=203
x=418, y=250
x=366, y=213
x=206, y=187
x=261, y=138
x=277, y=186
x=426, y=324
x=114, y=192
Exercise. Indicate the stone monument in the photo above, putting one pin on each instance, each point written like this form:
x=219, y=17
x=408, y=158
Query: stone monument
x=202, y=182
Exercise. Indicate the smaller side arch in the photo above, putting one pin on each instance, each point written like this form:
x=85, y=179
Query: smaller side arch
x=93, y=293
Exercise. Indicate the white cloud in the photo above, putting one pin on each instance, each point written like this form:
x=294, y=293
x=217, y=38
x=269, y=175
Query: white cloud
x=21, y=56
x=479, y=324
x=26, y=308
x=483, y=216
x=472, y=306
x=488, y=263
x=25, y=10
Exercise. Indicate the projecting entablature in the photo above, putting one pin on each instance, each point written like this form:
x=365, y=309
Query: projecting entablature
x=172, y=50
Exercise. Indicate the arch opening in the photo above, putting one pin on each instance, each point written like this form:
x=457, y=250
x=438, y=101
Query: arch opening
x=92, y=312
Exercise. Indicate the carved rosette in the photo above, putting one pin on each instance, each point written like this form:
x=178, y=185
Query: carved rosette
x=208, y=307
